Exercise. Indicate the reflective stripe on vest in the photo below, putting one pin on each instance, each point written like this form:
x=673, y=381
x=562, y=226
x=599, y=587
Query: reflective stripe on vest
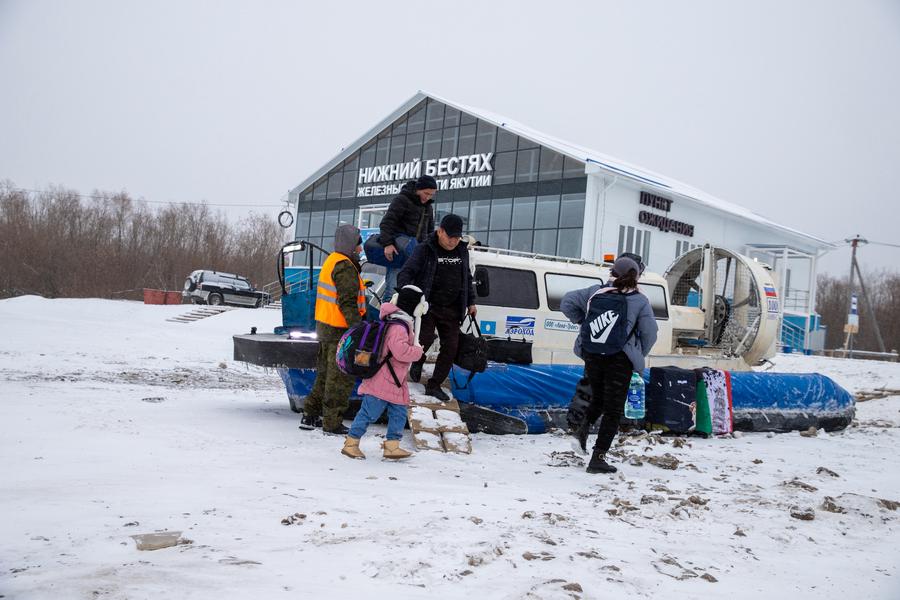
x=327, y=310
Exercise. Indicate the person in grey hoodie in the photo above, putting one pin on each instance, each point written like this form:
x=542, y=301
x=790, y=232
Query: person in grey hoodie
x=610, y=374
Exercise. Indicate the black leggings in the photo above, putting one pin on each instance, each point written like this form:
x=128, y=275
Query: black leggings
x=609, y=377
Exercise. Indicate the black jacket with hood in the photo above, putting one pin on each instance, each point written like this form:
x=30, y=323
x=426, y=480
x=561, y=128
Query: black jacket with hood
x=421, y=267
x=407, y=216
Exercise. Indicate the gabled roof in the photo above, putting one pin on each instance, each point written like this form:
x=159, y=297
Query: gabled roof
x=588, y=156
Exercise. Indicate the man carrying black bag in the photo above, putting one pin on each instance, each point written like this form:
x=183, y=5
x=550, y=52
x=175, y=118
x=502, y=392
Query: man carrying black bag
x=440, y=267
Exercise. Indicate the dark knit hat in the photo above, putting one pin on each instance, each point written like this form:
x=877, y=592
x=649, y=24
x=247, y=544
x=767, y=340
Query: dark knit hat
x=452, y=225
x=623, y=266
x=408, y=298
x=426, y=182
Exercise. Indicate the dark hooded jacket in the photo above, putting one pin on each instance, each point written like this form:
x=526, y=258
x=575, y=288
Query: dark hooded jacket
x=420, y=268
x=407, y=216
x=346, y=280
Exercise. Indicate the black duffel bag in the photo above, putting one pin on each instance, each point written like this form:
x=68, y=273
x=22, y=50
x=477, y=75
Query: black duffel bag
x=471, y=353
x=509, y=351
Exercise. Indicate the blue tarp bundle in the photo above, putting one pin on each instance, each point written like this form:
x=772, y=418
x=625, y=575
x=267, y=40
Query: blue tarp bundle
x=787, y=391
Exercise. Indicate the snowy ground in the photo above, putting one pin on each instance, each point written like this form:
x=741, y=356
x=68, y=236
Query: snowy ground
x=118, y=423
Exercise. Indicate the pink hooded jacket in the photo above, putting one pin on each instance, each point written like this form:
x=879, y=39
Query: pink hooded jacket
x=403, y=351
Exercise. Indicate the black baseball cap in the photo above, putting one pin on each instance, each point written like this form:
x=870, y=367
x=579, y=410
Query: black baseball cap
x=452, y=225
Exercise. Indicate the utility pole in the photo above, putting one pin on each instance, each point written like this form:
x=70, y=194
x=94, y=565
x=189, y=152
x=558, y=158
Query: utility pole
x=852, y=327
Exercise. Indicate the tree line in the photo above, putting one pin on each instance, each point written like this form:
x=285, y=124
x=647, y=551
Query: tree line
x=56, y=243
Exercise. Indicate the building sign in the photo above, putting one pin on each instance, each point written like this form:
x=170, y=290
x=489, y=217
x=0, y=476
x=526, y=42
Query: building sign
x=455, y=172
x=662, y=222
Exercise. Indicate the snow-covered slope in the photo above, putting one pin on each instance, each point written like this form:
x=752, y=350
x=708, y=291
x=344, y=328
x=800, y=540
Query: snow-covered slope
x=118, y=422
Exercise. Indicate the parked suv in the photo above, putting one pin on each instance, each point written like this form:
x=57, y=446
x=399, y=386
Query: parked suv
x=216, y=288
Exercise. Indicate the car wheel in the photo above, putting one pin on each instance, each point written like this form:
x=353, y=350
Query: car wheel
x=190, y=285
x=214, y=299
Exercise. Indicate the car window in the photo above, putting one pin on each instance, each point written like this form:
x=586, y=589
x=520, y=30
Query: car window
x=657, y=296
x=514, y=288
x=241, y=284
x=558, y=285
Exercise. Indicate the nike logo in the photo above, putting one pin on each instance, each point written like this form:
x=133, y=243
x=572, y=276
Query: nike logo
x=602, y=326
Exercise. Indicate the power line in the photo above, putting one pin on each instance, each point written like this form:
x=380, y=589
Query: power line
x=96, y=197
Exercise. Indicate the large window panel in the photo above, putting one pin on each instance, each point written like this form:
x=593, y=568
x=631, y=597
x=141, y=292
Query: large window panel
x=451, y=117
x=416, y=121
x=320, y=192
x=501, y=212
x=523, y=214
x=506, y=140
x=571, y=212
x=413, y=146
x=551, y=164
x=302, y=231
x=467, y=119
x=484, y=140
x=525, y=144
x=434, y=116
x=432, y=149
x=346, y=216
x=479, y=215
x=545, y=241
x=448, y=145
x=466, y=139
x=316, y=219
x=398, y=142
x=515, y=288
x=461, y=208
x=334, y=184
x=527, y=165
x=348, y=190
x=569, y=243
x=367, y=156
x=504, y=168
x=573, y=168
x=547, y=212
x=521, y=240
x=382, y=151
x=331, y=222
x=498, y=239
x=352, y=163
x=441, y=209
x=399, y=127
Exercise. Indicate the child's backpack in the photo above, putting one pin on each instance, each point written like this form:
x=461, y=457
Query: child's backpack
x=604, y=330
x=360, y=347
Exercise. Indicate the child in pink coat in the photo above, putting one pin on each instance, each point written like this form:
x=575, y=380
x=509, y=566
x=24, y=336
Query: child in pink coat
x=382, y=391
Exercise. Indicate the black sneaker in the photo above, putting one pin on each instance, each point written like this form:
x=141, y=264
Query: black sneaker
x=598, y=464
x=339, y=430
x=309, y=422
x=415, y=372
x=436, y=392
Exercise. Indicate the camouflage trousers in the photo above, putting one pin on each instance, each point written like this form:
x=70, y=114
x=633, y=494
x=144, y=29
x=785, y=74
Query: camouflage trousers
x=330, y=395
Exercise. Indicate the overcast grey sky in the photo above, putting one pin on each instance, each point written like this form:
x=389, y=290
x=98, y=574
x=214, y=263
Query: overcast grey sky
x=788, y=108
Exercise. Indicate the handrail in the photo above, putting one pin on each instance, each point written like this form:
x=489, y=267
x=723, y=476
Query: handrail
x=535, y=255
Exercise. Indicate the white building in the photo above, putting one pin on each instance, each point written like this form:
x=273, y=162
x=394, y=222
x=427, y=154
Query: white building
x=521, y=189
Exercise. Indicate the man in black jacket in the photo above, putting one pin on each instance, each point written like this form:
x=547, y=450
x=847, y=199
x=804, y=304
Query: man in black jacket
x=409, y=216
x=440, y=268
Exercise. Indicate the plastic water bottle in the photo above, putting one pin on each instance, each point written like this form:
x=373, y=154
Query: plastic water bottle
x=634, y=402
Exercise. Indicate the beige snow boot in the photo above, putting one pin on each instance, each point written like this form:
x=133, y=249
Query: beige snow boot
x=393, y=450
x=351, y=448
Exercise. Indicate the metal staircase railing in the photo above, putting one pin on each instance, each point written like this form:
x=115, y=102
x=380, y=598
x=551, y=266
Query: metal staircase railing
x=792, y=336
